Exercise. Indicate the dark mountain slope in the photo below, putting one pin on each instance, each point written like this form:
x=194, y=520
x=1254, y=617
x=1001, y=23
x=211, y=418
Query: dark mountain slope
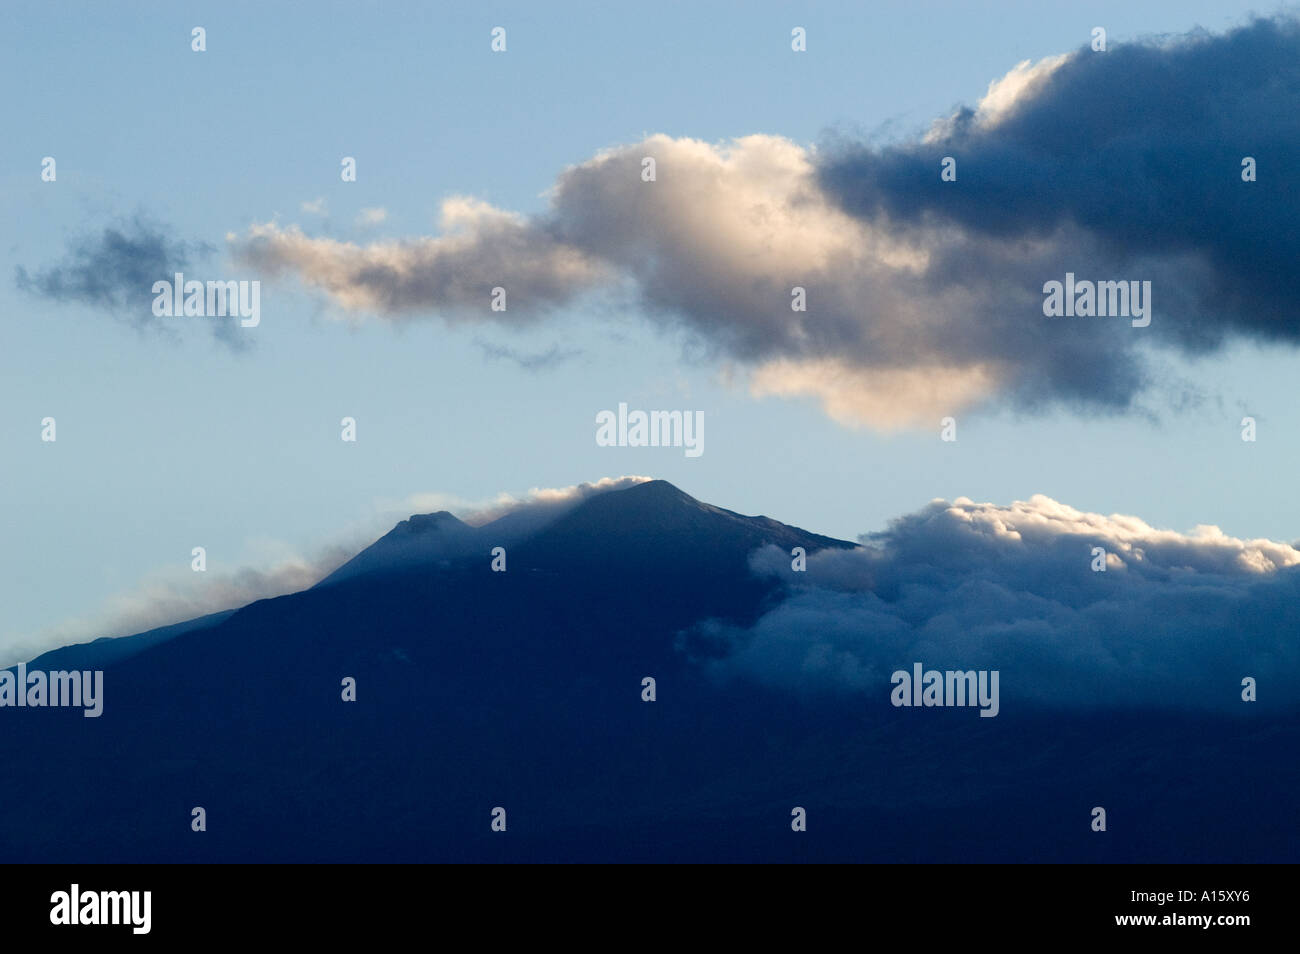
x=523, y=690
x=427, y=538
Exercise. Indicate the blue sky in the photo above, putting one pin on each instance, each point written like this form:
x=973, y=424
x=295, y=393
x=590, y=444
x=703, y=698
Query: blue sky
x=164, y=445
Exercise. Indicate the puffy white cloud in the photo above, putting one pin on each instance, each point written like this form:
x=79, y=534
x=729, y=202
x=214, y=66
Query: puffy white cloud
x=717, y=242
x=887, y=399
x=1018, y=86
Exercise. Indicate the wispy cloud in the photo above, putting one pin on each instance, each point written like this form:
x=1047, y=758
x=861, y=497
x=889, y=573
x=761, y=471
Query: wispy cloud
x=178, y=594
x=114, y=269
x=539, y=361
x=484, y=510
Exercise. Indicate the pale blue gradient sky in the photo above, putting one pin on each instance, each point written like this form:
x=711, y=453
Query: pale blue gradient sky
x=165, y=446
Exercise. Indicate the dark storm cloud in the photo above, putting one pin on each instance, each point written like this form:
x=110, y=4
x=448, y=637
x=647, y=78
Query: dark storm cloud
x=1140, y=148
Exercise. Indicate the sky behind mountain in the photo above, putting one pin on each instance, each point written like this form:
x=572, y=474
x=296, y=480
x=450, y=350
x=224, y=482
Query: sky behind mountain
x=210, y=435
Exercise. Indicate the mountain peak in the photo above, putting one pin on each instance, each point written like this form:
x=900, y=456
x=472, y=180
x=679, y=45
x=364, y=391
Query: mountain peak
x=419, y=539
x=443, y=520
x=657, y=524
x=659, y=490
x=647, y=524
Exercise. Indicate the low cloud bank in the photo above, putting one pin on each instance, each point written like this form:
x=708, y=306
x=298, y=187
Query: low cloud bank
x=1176, y=620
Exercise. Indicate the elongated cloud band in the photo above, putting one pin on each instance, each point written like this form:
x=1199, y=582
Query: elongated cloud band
x=923, y=296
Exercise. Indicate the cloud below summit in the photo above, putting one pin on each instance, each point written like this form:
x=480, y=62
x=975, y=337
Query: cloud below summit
x=924, y=297
x=1175, y=621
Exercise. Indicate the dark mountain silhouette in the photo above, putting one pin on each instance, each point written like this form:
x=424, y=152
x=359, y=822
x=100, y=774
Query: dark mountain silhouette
x=522, y=690
x=107, y=649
